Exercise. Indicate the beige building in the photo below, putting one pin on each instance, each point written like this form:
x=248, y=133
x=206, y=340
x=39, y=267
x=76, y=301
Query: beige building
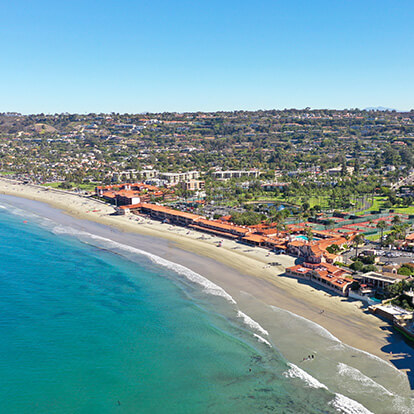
x=193, y=185
x=148, y=174
x=176, y=178
x=235, y=174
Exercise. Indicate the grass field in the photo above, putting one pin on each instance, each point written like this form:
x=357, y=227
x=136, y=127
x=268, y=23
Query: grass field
x=379, y=203
x=86, y=187
x=52, y=185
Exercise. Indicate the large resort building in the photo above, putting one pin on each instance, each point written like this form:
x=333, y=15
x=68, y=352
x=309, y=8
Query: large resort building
x=325, y=275
x=317, y=260
x=264, y=235
x=129, y=193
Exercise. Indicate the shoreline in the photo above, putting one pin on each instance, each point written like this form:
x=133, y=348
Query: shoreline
x=344, y=319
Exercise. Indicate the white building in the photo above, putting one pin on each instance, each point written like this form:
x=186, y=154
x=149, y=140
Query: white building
x=175, y=178
x=236, y=174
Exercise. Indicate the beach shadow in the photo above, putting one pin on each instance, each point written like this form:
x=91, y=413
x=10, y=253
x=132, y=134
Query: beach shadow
x=314, y=285
x=402, y=352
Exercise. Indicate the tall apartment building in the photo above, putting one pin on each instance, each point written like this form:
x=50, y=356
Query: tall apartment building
x=176, y=178
x=236, y=174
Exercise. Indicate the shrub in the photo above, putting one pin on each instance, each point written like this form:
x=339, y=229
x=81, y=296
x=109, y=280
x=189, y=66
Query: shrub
x=357, y=266
x=369, y=268
x=367, y=259
x=405, y=271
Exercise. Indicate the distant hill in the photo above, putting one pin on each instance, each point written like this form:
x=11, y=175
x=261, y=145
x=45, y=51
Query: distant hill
x=44, y=128
x=379, y=108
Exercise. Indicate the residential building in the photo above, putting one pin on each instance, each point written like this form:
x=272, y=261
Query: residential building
x=236, y=174
x=176, y=178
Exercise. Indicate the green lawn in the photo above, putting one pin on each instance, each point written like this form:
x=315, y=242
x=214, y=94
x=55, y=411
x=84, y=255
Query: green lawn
x=321, y=201
x=379, y=203
x=52, y=185
x=405, y=210
x=376, y=205
x=375, y=237
x=86, y=187
x=6, y=172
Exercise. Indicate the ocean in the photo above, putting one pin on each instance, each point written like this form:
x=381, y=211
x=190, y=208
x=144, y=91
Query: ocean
x=91, y=325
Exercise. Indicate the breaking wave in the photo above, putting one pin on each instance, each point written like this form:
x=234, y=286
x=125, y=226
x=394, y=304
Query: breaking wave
x=262, y=340
x=356, y=375
x=252, y=323
x=348, y=406
x=208, y=286
x=320, y=330
x=296, y=372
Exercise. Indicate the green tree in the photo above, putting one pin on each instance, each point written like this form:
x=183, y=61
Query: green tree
x=357, y=241
x=309, y=233
x=382, y=225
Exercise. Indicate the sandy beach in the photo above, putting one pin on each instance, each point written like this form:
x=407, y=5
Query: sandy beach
x=343, y=318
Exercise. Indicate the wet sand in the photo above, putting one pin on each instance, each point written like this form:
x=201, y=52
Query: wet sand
x=343, y=318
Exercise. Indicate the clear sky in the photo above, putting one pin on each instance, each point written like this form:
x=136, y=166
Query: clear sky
x=166, y=55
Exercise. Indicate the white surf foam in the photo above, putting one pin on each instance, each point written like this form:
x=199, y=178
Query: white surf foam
x=252, y=323
x=296, y=372
x=261, y=339
x=403, y=405
x=347, y=371
x=326, y=334
x=318, y=328
x=348, y=406
x=208, y=286
x=27, y=215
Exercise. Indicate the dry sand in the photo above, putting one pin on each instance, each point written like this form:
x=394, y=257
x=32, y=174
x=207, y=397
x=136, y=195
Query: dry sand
x=343, y=318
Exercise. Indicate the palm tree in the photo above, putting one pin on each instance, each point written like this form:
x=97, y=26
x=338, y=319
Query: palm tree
x=280, y=227
x=358, y=239
x=309, y=234
x=396, y=220
x=382, y=225
x=329, y=223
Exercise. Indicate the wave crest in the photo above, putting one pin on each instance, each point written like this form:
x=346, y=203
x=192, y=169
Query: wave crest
x=348, y=406
x=296, y=372
x=252, y=323
x=359, y=377
x=208, y=286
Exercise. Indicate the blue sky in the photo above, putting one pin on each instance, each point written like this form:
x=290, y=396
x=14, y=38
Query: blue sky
x=137, y=56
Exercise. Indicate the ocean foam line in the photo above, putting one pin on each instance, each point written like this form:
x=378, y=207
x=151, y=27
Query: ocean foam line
x=17, y=211
x=208, y=286
x=321, y=330
x=324, y=332
x=252, y=323
x=261, y=339
x=296, y=372
x=357, y=375
x=348, y=406
x=341, y=403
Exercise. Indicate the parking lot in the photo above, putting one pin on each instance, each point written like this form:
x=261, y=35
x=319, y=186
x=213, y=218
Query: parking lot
x=387, y=256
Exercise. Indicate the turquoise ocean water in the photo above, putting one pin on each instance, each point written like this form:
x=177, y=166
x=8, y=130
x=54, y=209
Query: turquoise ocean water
x=89, y=329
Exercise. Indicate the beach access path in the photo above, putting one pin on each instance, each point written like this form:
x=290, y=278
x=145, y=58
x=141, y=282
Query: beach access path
x=343, y=318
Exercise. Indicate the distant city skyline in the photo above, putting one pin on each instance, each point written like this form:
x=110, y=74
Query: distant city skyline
x=140, y=56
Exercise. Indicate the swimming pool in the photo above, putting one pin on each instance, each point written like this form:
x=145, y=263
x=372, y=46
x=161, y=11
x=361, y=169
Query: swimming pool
x=303, y=237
